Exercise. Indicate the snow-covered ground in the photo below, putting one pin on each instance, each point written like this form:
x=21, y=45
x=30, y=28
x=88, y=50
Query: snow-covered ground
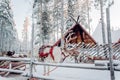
x=61, y=73
x=13, y=77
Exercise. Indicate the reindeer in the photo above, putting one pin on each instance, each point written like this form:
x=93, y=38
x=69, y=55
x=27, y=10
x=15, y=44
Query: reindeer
x=55, y=54
x=49, y=53
x=58, y=54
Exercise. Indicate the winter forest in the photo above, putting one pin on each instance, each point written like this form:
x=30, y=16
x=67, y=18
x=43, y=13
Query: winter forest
x=59, y=40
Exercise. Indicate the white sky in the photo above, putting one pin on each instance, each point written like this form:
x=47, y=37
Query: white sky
x=115, y=14
x=23, y=8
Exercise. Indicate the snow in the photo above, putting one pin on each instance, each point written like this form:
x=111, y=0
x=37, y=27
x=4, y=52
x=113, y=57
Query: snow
x=115, y=35
x=13, y=78
x=61, y=73
x=77, y=74
x=97, y=34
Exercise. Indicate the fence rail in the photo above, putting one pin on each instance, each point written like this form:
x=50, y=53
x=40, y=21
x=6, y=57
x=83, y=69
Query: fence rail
x=98, y=51
x=14, y=59
x=57, y=65
x=95, y=50
x=11, y=70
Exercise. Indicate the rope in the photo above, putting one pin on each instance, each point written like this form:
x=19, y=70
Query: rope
x=50, y=71
x=62, y=60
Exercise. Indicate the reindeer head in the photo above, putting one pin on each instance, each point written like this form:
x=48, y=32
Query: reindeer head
x=44, y=51
x=70, y=38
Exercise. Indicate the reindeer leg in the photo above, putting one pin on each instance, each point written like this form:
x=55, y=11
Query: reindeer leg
x=44, y=70
x=76, y=60
x=34, y=68
x=48, y=70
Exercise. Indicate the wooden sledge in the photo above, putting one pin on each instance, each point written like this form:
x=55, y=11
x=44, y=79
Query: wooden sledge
x=11, y=65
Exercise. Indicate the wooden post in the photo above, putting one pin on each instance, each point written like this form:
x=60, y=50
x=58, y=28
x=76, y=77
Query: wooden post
x=110, y=44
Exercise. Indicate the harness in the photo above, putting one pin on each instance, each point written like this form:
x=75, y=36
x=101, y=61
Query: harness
x=42, y=54
x=65, y=56
x=51, y=53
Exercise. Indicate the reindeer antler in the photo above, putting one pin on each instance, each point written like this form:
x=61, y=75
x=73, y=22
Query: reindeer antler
x=69, y=37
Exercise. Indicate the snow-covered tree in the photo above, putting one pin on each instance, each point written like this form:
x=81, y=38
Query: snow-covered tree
x=100, y=4
x=41, y=17
x=7, y=29
x=97, y=3
x=45, y=21
x=70, y=13
x=48, y=17
x=57, y=18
